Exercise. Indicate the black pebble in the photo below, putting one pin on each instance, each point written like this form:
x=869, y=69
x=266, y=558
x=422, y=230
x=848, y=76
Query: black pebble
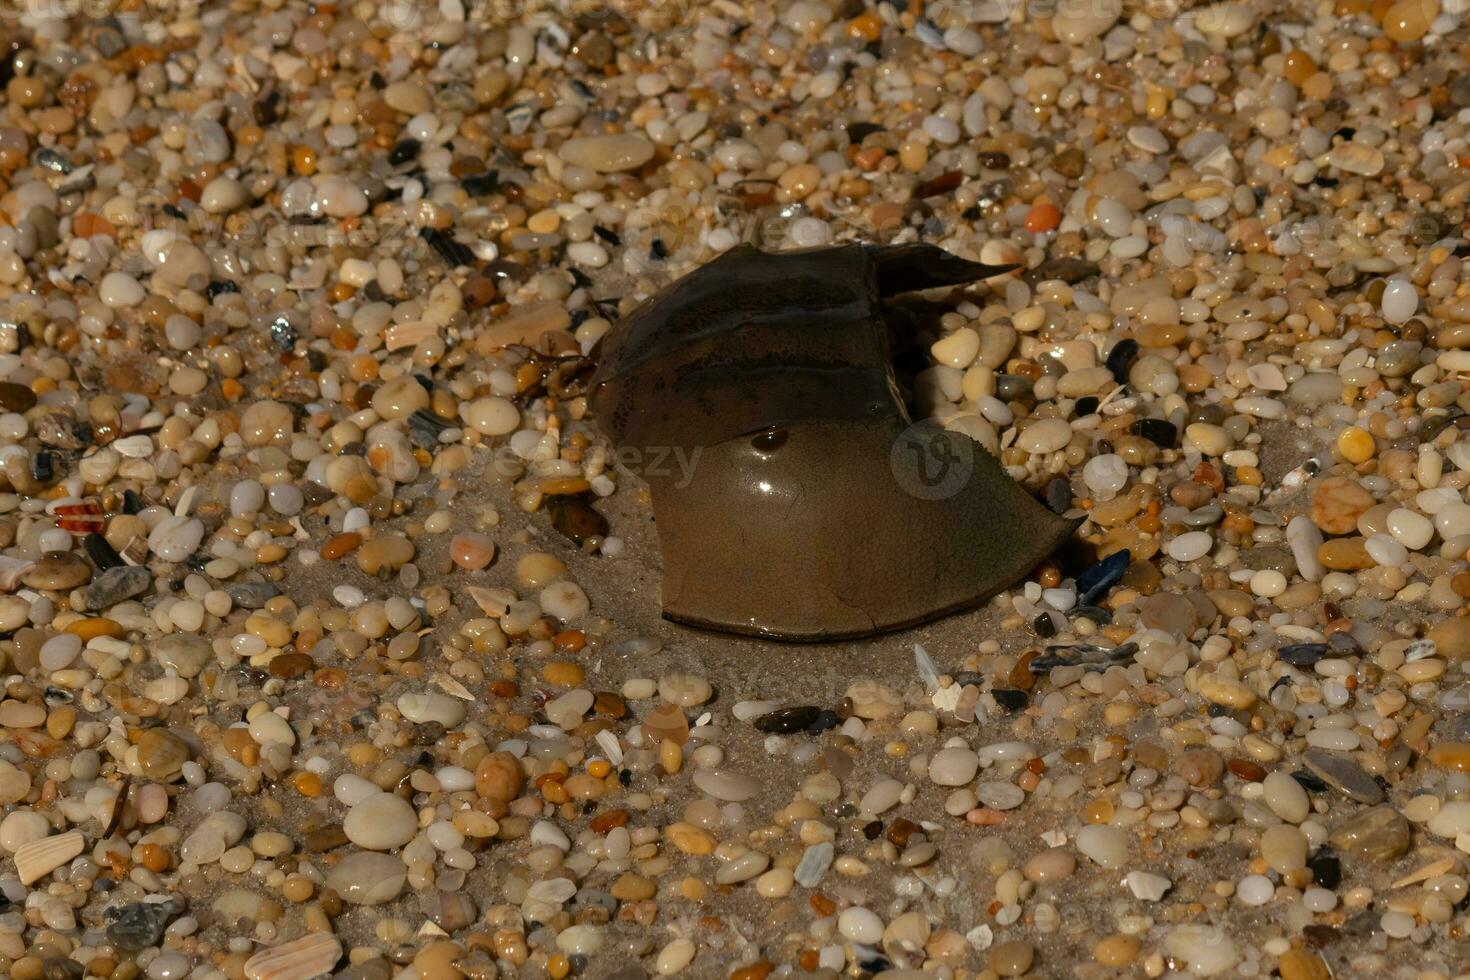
x=872, y=830
x=454, y=254
x=1320, y=936
x=101, y=553
x=481, y=185
x=218, y=286
x=1157, y=431
x=1302, y=654
x=1309, y=782
x=826, y=720
x=1097, y=579
x=1085, y=406
x=403, y=151
x=1121, y=358
x=1326, y=868
x=786, y=721
x=1009, y=698
x=1059, y=495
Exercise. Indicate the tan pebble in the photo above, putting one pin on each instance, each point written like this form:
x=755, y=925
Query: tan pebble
x=1345, y=554
x=1200, y=768
x=58, y=571
x=689, y=839
x=667, y=723
x=386, y=552
x=1336, y=504
x=1451, y=755
x=161, y=754
x=1452, y=638
x=1052, y=864
x=265, y=422
x=471, y=550
x=873, y=699
x=1013, y=958
x=19, y=714
x=498, y=777
x=1116, y=951
x=538, y=570
x=1301, y=964
x=630, y=887
x=1225, y=691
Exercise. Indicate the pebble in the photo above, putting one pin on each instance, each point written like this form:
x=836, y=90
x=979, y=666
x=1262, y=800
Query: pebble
x=1045, y=436
x=1190, y=546
x=860, y=925
x=367, y=878
x=724, y=785
x=1343, y=774
x=1286, y=797
x=1080, y=25
x=1147, y=887
x=607, y=154
x=1012, y=958
x=1103, y=845
x=57, y=571
x=1379, y=833
x=1451, y=638
x=339, y=197
x=1400, y=300
x=1206, y=950
x=175, y=538
x=161, y=755
x=380, y=822
x=1337, y=503
x=954, y=766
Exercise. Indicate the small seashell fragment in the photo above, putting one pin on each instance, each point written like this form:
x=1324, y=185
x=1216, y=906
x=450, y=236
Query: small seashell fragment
x=36, y=859
x=312, y=955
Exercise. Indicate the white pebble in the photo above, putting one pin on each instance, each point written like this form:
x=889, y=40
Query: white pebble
x=1190, y=546
x=1400, y=300
x=1409, y=529
x=1255, y=890
x=860, y=925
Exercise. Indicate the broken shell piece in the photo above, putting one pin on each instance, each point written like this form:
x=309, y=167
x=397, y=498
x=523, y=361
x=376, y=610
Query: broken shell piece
x=493, y=602
x=408, y=334
x=11, y=569
x=310, y=956
x=808, y=481
x=36, y=859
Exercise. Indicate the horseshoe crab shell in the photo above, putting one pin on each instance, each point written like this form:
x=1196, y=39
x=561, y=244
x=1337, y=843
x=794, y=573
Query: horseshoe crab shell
x=812, y=508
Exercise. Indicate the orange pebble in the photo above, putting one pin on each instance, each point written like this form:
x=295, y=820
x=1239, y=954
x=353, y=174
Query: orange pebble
x=865, y=27
x=153, y=857
x=340, y=544
x=471, y=550
x=307, y=783
x=90, y=628
x=868, y=158
x=1044, y=216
